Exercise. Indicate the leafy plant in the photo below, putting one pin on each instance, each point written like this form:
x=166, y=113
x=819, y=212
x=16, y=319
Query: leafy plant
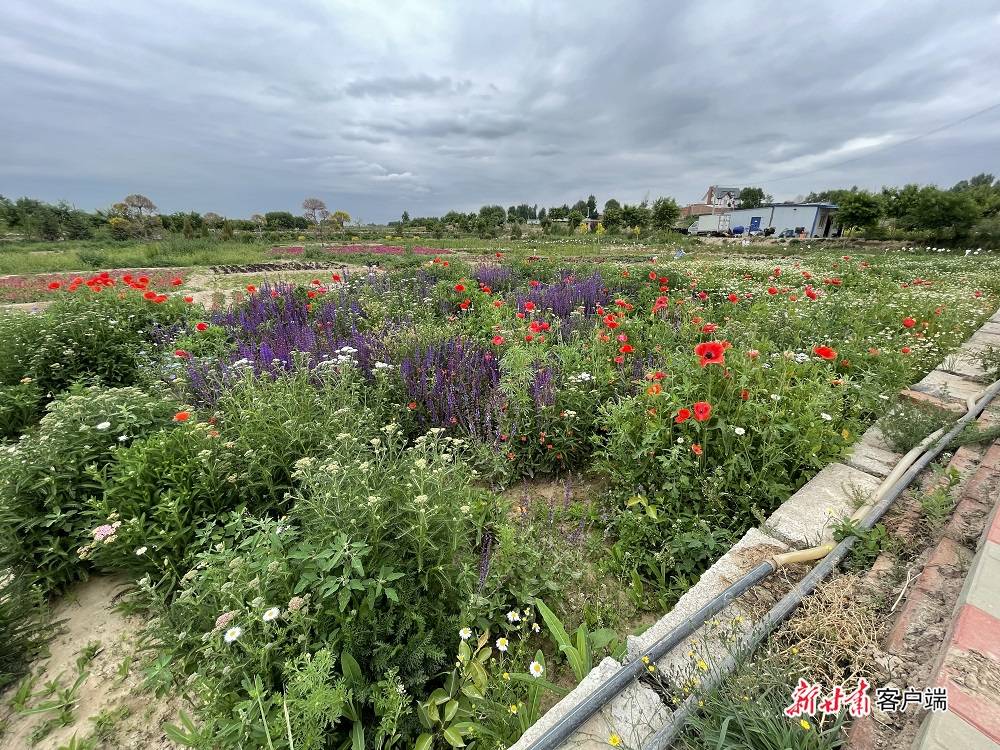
x=580, y=650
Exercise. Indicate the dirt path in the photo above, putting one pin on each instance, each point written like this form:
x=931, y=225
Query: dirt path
x=112, y=690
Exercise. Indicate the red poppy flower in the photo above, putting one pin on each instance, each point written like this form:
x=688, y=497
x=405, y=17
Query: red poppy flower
x=529, y=305
x=176, y=281
x=160, y=299
x=149, y=295
x=702, y=410
x=189, y=300
x=142, y=279
x=696, y=449
x=712, y=352
x=626, y=349
x=905, y=350
x=535, y=283
x=734, y=298
x=182, y=416
x=336, y=277
x=54, y=285
x=825, y=352
x=977, y=294
x=181, y=353
x=660, y=304
x=459, y=287
x=655, y=389
x=702, y=295
x=610, y=322
x=745, y=394
x=498, y=303
x=652, y=275
x=497, y=340
x=811, y=293
x=412, y=405
x=311, y=294
x=777, y=271
x=251, y=289
x=619, y=359
x=772, y=291
x=201, y=326
x=909, y=322
x=709, y=328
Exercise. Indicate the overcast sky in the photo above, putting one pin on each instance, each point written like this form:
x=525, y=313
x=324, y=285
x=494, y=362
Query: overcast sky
x=379, y=106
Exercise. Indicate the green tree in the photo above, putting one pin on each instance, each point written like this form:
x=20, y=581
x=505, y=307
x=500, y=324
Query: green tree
x=279, y=220
x=575, y=218
x=612, y=218
x=591, y=207
x=637, y=217
x=753, y=197
x=187, y=229
x=405, y=218
x=665, y=213
x=860, y=209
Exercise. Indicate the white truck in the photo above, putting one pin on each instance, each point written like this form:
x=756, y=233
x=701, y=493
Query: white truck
x=710, y=224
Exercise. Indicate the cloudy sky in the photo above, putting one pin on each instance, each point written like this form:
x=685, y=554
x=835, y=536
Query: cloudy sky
x=379, y=106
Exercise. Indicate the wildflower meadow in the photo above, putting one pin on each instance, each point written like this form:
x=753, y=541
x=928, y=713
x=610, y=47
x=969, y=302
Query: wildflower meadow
x=413, y=506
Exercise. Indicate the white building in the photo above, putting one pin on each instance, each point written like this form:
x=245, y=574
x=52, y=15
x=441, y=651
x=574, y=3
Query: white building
x=808, y=219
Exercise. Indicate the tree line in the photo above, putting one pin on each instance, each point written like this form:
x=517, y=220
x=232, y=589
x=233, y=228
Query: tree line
x=137, y=217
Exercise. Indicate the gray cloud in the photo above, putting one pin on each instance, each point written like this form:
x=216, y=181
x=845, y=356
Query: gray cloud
x=248, y=106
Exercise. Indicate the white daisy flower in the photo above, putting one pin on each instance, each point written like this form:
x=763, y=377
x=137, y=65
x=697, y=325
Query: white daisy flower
x=739, y=431
x=502, y=644
x=232, y=634
x=141, y=551
x=535, y=626
x=536, y=669
x=103, y=426
x=271, y=615
x=827, y=417
x=465, y=633
x=514, y=616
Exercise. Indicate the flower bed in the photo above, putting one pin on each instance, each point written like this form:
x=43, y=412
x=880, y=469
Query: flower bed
x=307, y=486
x=19, y=289
x=297, y=250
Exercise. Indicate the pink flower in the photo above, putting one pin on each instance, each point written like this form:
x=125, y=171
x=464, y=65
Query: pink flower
x=224, y=619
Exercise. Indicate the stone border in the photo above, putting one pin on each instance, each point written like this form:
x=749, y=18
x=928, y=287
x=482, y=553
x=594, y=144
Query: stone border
x=803, y=520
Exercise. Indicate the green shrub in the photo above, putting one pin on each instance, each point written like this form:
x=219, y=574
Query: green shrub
x=160, y=490
x=20, y=407
x=46, y=478
x=373, y=562
x=85, y=336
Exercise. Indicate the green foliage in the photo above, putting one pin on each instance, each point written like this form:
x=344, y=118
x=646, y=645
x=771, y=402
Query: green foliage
x=159, y=490
x=579, y=651
x=46, y=478
x=665, y=213
x=859, y=209
x=20, y=407
x=25, y=624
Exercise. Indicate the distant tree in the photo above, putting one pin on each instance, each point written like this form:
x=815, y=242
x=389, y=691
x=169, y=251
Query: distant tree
x=542, y=215
x=494, y=216
x=140, y=210
x=665, y=213
x=340, y=218
x=984, y=190
x=515, y=231
x=612, y=217
x=575, y=218
x=405, y=217
x=187, y=229
x=315, y=210
x=860, y=209
x=637, y=217
x=580, y=206
x=512, y=215
x=212, y=220
x=278, y=220
x=753, y=197
x=227, y=229
x=944, y=212
x=591, y=207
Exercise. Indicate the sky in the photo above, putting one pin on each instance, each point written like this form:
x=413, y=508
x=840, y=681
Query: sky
x=383, y=106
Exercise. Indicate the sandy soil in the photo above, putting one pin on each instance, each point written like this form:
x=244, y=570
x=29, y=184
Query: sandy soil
x=90, y=617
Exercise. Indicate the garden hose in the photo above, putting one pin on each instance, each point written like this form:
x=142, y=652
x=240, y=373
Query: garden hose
x=830, y=556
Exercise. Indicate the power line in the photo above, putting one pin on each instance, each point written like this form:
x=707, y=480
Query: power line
x=878, y=149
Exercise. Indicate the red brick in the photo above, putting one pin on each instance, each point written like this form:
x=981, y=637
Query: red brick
x=976, y=630
x=947, y=554
x=984, y=715
x=992, y=458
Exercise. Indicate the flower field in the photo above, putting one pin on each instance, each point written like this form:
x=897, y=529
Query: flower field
x=413, y=507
